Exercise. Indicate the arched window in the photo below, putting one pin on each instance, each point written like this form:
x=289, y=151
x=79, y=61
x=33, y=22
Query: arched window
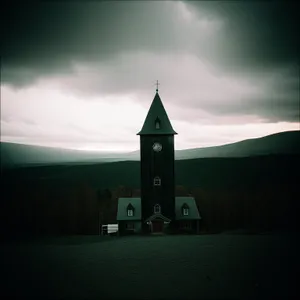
x=157, y=209
x=130, y=210
x=185, y=209
x=157, y=123
x=157, y=181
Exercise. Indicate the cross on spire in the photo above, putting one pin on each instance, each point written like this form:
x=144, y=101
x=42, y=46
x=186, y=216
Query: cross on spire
x=157, y=84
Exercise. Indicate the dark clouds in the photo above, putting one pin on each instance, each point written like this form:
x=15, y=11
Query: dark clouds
x=259, y=34
x=121, y=47
x=276, y=98
x=48, y=37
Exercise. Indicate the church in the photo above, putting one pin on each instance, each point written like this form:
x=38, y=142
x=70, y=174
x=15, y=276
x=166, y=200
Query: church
x=157, y=210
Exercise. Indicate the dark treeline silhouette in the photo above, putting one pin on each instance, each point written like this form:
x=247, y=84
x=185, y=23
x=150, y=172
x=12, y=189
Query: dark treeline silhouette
x=256, y=194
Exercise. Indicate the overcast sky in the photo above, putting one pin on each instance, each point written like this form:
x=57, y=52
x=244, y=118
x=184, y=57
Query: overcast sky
x=82, y=75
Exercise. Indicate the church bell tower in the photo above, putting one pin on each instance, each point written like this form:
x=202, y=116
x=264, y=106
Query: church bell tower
x=157, y=164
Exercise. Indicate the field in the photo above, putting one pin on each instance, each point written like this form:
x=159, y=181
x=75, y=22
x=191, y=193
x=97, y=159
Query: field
x=221, y=266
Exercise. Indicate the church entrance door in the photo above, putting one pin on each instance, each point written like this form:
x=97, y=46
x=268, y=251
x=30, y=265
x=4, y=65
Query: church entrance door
x=157, y=226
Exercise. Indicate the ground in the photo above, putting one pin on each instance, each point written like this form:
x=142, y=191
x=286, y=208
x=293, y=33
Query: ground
x=223, y=266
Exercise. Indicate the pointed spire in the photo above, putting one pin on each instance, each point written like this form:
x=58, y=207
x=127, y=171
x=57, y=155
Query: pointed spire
x=157, y=121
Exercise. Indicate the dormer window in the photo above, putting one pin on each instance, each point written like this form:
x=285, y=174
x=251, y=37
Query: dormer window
x=157, y=181
x=130, y=210
x=157, y=209
x=185, y=209
x=157, y=123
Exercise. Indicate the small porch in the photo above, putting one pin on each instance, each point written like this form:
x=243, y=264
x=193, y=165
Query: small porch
x=157, y=223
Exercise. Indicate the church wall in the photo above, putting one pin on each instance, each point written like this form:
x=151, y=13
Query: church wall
x=176, y=227
x=124, y=231
x=138, y=227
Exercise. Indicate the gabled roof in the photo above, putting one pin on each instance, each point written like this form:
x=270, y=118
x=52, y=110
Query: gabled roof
x=130, y=206
x=122, y=209
x=184, y=205
x=193, y=209
x=157, y=110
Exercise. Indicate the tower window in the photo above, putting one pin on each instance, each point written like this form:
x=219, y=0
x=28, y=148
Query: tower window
x=157, y=209
x=157, y=181
x=157, y=123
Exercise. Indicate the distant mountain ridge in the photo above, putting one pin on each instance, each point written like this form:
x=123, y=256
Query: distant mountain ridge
x=279, y=143
x=18, y=155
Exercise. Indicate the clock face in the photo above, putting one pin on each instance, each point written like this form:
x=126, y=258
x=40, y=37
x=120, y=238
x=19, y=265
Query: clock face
x=157, y=147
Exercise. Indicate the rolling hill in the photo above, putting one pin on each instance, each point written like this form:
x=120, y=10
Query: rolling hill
x=279, y=143
x=20, y=155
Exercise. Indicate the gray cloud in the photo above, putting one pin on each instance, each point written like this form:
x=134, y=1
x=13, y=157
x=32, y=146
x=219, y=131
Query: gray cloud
x=259, y=34
x=44, y=38
x=50, y=36
x=24, y=128
x=117, y=48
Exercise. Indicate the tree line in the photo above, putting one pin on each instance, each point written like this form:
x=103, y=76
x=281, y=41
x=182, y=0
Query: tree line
x=48, y=209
